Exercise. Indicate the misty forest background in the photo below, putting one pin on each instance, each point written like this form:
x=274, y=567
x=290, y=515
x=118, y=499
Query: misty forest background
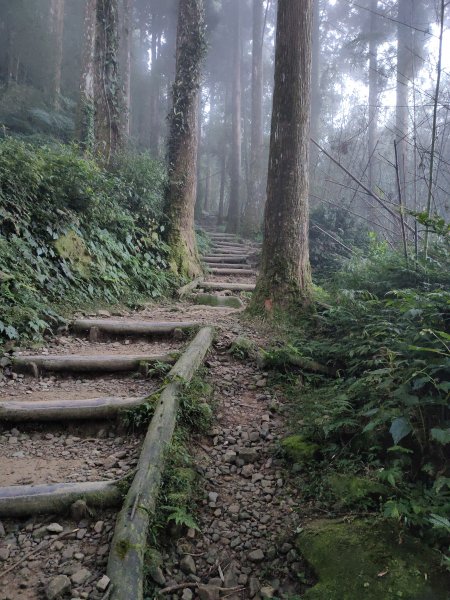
x=86, y=88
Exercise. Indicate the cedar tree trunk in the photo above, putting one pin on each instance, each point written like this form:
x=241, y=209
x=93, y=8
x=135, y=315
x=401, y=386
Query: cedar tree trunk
x=234, y=208
x=183, y=144
x=254, y=205
x=285, y=276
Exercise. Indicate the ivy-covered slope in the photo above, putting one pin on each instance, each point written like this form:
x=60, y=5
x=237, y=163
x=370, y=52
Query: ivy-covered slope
x=73, y=234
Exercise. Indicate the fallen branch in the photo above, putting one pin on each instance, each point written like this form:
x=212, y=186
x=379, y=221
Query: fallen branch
x=183, y=586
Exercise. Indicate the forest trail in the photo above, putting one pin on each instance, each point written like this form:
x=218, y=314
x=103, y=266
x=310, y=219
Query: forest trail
x=246, y=505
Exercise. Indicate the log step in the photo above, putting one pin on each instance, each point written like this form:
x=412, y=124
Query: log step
x=217, y=258
x=215, y=301
x=89, y=362
x=27, y=500
x=238, y=266
x=129, y=327
x=230, y=244
x=223, y=285
x=231, y=271
x=59, y=410
x=229, y=251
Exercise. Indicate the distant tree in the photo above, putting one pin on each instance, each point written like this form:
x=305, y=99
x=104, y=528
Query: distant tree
x=182, y=150
x=285, y=275
x=126, y=27
x=109, y=104
x=56, y=31
x=234, y=207
x=254, y=204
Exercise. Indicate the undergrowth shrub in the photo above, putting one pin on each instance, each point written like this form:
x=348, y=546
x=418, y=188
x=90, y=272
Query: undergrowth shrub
x=72, y=233
x=385, y=415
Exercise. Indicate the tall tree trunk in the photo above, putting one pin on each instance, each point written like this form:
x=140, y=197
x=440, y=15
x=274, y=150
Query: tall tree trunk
x=285, y=276
x=223, y=179
x=373, y=102
x=316, y=96
x=234, y=209
x=57, y=32
x=255, y=202
x=155, y=77
x=181, y=193
x=108, y=94
x=405, y=49
x=126, y=25
x=85, y=127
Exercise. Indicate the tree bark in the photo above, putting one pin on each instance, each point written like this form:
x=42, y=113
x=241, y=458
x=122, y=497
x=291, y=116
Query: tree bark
x=234, y=208
x=285, y=278
x=57, y=32
x=85, y=128
x=255, y=202
x=181, y=193
x=109, y=104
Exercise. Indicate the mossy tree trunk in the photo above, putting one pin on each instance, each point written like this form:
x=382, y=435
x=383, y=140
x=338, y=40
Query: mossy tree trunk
x=86, y=104
x=285, y=276
x=234, y=207
x=126, y=26
x=109, y=104
x=183, y=142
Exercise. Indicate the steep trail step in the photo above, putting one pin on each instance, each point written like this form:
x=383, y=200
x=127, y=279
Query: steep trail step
x=93, y=363
x=132, y=327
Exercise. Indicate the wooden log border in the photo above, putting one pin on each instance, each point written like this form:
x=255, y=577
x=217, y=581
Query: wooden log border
x=126, y=558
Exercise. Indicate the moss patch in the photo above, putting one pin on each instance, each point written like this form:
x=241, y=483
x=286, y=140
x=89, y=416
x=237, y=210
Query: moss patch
x=370, y=561
x=351, y=489
x=298, y=449
x=72, y=248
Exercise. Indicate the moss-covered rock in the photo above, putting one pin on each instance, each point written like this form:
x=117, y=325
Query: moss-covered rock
x=370, y=560
x=350, y=490
x=298, y=449
x=242, y=347
x=72, y=248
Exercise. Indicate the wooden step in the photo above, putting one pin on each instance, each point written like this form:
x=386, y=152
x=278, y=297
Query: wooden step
x=88, y=363
x=27, y=500
x=57, y=410
x=220, y=258
x=231, y=252
x=231, y=244
x=227, y=265
x=241, y=272
x=130, y=327
x=224, y=285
